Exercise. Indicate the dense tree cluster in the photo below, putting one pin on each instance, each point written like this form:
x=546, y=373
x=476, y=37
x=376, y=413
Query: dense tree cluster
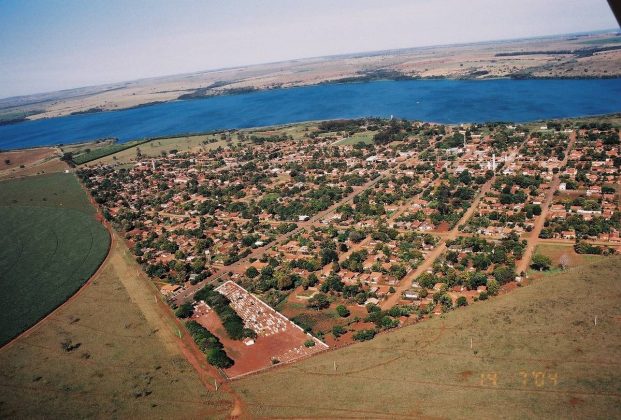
x=210, y=345
x=233, y=324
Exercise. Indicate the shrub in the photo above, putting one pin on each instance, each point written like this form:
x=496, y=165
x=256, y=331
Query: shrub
x=318, y=302
x=461, y=301
x=184, y=311
x=343, y=311
x=492, y=287
x=364, y=335
x=251, y=272
x=372, y=307
x=338, y=331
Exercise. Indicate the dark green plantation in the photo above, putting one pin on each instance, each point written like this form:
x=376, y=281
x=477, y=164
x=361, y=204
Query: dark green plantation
x=51, y=244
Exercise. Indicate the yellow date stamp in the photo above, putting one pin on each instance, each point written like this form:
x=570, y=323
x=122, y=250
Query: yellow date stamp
x=526, y=378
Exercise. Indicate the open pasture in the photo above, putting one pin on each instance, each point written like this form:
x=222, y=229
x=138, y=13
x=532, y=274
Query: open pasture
x=533, y=353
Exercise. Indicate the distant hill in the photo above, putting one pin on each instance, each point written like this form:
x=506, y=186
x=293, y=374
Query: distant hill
x=593, y=55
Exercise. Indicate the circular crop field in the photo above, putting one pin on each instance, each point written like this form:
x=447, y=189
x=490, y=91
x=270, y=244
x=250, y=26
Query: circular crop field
x=47, y=254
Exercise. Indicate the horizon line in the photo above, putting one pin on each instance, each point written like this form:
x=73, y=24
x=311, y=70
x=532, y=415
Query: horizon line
x=361, y=53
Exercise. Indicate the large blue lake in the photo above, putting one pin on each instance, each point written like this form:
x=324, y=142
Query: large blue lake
x=446, y=101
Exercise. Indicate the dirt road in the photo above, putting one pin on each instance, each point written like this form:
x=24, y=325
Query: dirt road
x=406, y=282
x=315, y=220
x=533, y=237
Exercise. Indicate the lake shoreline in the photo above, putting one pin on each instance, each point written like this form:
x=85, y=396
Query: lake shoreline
x=276, y=127
x=440, y=100
x=344, y=81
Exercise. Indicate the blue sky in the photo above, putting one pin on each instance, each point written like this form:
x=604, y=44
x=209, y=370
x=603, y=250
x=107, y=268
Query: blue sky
x=48, y=45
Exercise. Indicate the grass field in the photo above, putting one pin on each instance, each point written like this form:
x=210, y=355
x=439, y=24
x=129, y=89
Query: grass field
x=532, y=353
x=52, y=244
x=125, y=360
x=155, y=148
x=365, y=137
x=555, y=251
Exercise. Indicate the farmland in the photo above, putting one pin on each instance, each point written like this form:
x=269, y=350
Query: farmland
x=38, y=275
x=125, y=152
x=109, y=352
x=534, y=352
x=17, y=163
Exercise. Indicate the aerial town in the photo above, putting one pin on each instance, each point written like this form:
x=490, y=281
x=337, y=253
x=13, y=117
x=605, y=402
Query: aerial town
x=285, y=242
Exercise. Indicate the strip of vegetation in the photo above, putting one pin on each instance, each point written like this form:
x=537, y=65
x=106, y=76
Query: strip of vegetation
x=585, y=248
x=210, y=345
x=119, y=147
x=90, y=155
x=233, y=324
x=16, y=117
x=372, y=75
x=586, y=52
x=208, y=91
x=88, y=111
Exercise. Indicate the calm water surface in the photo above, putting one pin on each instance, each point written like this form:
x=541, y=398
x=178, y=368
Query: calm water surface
x=446, y=101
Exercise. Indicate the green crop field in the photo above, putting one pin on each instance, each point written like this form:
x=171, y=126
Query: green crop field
x=51, y=245
x=536, y=352
x=99, y=152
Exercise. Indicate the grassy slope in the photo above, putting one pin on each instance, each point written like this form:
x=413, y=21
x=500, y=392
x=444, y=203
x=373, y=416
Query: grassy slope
x=52, y=244
x=522, y=342
x=128, y=363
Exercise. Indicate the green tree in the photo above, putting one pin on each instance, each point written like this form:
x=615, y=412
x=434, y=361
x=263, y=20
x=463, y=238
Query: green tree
x=504, y=274
x=185, y=310
x=218, y=358
x=318, y=302
x=461, y=301
x=343, y=311
x=338, y=331
x=364, y=335
x=252, y=272
x=541, y=262
x=493, y=287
